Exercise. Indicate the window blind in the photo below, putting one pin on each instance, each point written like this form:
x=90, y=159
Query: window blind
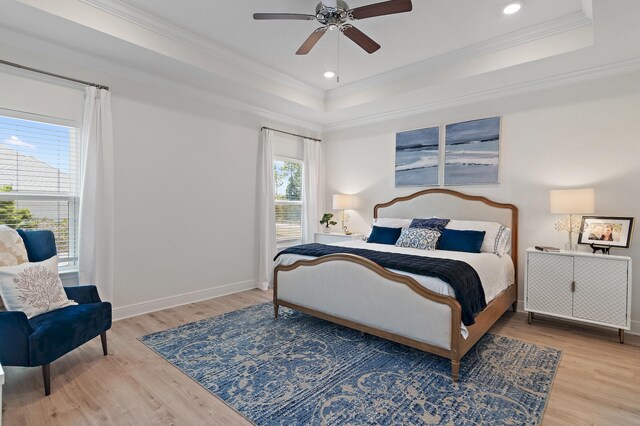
x=39, y=181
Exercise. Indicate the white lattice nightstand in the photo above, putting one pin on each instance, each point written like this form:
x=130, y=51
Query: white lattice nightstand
x=335, y=237
x=591, y=288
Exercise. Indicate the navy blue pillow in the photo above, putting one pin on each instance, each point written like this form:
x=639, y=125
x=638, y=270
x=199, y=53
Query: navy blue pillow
x=40, y=244
x=433, y=223
x=467, y=241
x=382, y=235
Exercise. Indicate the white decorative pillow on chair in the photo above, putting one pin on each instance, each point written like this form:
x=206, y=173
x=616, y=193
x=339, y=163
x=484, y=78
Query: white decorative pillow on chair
x=33, y=288
x=12, y=250
x=420, y=238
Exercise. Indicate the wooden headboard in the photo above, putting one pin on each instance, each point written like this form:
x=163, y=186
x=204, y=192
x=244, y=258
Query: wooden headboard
x=450, y=204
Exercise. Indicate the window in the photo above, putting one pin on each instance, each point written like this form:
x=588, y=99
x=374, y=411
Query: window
x=39, y=181
x=287, y=176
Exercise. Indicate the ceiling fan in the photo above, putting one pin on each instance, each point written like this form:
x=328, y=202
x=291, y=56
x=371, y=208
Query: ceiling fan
x=335, y=14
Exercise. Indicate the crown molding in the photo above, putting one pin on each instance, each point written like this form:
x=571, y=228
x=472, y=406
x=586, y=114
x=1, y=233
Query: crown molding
x=149, y=22
x=560, y=80
x=516, y=38
x=73, y=57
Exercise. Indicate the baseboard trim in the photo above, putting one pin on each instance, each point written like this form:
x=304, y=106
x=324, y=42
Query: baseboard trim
x=136, y=309
x=635, y=325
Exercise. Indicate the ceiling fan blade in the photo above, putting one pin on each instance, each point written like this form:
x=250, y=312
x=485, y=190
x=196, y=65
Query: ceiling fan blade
x=378, y=9
x=361, y=39
x=290, y=16
x=311, y=41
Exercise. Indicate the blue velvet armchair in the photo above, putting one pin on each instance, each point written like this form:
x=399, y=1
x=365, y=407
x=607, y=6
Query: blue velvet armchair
x=44, y=338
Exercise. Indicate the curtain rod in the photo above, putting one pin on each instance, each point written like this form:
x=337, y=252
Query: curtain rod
x=289, y=133
x=12, y=64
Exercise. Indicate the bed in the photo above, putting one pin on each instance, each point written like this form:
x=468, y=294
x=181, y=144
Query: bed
x=354, y=291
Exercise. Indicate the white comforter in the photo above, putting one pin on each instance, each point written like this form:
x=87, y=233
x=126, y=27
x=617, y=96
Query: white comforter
x=496, y=273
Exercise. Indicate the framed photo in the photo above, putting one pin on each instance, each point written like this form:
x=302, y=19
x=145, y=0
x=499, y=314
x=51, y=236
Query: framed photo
x=607, y=231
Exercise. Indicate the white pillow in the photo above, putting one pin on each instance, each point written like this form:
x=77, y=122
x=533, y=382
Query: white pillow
x=392, y=222
x=33, y=288
x=506, y=242
x=12, y=250
x=496, y=239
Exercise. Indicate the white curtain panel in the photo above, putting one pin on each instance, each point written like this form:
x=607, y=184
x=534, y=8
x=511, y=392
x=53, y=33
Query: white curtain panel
x=311, y=191
x=267, y=211
x=95, y=247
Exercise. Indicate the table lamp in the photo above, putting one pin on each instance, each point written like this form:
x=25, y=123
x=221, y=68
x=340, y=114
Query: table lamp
x=571, y=202
x=343, y=202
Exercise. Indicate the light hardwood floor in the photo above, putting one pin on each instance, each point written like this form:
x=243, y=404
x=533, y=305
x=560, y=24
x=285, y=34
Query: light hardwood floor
x=598, y=381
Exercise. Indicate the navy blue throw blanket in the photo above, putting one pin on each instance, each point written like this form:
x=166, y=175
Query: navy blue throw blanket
x=459, y=275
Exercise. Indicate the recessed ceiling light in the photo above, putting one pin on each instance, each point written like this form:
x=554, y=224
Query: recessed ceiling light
x=329, y=74
x=512, y=7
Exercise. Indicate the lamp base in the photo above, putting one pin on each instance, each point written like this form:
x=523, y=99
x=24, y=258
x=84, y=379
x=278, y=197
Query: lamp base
x=570, y=247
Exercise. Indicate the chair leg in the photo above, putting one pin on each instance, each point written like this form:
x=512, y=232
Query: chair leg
x=103, y=338
x=46, y=375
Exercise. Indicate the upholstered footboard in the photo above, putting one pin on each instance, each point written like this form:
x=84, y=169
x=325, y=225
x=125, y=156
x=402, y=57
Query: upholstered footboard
x=357, y=293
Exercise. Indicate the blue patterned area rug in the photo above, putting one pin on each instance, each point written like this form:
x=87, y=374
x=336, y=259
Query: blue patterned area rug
x=302, y=370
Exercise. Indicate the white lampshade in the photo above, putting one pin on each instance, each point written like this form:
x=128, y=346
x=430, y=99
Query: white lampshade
x=572, y=201
x=342, y=202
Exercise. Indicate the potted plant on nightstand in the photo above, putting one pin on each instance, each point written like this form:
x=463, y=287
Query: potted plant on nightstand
x=326, y=221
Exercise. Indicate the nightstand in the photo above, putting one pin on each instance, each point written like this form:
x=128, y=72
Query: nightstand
x=585, y=287
x=335, y=237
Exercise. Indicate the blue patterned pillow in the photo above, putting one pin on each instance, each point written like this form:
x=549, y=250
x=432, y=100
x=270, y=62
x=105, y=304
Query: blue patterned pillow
x=420, y=238
x=433, y=223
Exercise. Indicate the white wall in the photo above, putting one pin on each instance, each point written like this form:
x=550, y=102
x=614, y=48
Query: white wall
x=185, y=174
x=547, y=141
x=185, y=184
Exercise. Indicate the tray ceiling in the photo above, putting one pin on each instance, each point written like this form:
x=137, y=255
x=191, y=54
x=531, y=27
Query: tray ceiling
x=442, y=53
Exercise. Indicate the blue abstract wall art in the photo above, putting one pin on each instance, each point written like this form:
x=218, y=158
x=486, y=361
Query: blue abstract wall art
x=417, y=157
x=472, y=152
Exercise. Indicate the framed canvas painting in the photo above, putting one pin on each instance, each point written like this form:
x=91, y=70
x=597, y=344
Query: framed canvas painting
x=472, y=152
x=417, y=157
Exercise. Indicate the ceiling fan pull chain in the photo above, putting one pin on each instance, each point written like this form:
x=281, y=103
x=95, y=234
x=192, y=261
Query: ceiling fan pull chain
x=338, y=67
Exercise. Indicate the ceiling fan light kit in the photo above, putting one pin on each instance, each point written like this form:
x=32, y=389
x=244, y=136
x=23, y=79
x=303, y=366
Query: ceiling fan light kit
x=335, y=14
